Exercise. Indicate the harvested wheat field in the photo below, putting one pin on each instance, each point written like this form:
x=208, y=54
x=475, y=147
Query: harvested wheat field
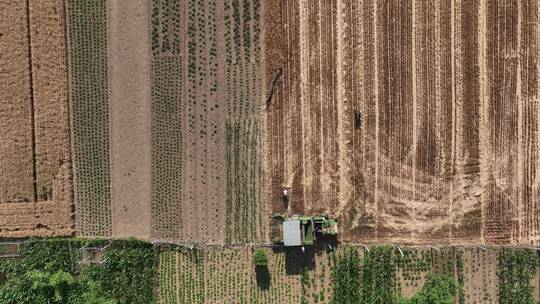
x=206, y=126
x=410, y=121
x=35, y=158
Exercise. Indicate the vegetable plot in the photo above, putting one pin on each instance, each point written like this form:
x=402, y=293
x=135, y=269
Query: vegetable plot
x=206, y=129
x=166, y=147
x=87, y=23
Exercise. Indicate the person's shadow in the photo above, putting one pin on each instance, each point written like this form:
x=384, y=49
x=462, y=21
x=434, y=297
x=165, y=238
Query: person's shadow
x=263, y=277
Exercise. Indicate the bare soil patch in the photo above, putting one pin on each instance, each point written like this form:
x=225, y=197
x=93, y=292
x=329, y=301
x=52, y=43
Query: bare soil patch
x=50, y=84
x=129, y=64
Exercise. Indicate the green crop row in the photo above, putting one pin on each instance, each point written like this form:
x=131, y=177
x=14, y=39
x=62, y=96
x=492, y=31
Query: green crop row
x=413, y=264
x=227, y=276
x=167, y=277
x=176, y=26
x=192, y=86
x=255, y=62
x=237, y=71
x=165, y=26
x=155, y=25
x=165, y=46
x=191, y=277
x=246, y=30
x=243, y=56
x=372, y=277
x=87, y=22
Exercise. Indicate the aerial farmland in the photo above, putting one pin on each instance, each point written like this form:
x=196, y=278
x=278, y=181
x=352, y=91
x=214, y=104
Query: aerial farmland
x=270, y=151
x=445, y=149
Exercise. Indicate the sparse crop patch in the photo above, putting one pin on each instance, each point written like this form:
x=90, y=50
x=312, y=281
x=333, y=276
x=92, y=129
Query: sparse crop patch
x=244, y=175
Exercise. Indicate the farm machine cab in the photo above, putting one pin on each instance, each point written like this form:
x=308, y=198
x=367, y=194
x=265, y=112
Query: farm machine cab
x=302, y=230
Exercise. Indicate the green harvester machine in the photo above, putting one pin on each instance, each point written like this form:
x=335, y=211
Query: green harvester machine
x=302, y=230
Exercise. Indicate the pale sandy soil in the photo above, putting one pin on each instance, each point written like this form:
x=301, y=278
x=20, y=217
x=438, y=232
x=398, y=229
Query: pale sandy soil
x=129, y=60
x=42, y=219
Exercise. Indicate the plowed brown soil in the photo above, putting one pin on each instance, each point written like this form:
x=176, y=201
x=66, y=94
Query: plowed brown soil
x=447, y=150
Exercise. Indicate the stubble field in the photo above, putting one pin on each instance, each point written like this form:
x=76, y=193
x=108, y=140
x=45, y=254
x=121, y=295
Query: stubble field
x=446, y=147
x=35, y=158
x=409, y=121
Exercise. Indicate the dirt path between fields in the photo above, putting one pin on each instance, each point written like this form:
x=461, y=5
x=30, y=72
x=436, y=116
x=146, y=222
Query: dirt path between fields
x=129, y=59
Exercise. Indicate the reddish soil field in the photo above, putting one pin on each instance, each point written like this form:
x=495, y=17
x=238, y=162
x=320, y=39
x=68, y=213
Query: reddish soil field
x=446, y=147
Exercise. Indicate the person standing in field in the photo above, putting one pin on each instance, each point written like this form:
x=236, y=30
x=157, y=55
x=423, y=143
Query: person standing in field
x=286, y=197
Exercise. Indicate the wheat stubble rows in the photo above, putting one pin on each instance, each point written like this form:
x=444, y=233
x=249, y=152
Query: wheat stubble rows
x=447, y=150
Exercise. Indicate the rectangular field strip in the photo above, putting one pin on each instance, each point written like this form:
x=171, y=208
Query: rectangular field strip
x=166, y=147
x=244, y=176
x=16, y=146
x=87, y=27
x=167, y=278
x=243, y=132
x=225, y=276
x=51, y=107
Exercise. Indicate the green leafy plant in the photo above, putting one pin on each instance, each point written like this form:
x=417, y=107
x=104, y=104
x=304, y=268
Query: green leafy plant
x=49, y=272
x=60, y=287
x=260, y=258
x=129, y=271
x=516, y=270
x=379, y=276
x=346, y=276
x=437, y=290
